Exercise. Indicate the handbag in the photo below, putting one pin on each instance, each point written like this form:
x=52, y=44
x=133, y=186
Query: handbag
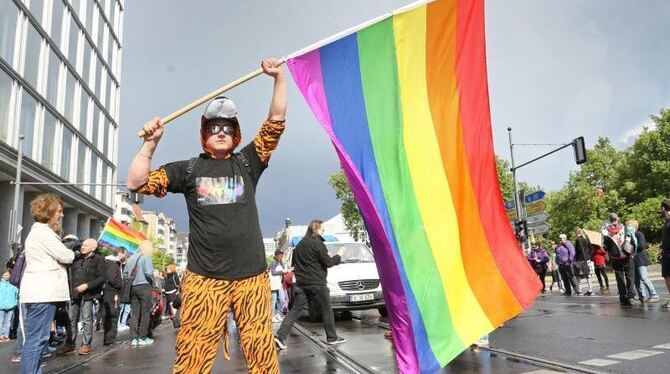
x=16, y=274
x=128, y=284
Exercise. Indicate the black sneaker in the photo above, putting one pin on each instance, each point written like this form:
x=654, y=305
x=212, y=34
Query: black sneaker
x=588, y=293
x=337, y=341
x=279, y=342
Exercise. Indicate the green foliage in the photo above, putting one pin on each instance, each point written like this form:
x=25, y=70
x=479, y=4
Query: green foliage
x=160, y=261
x=631, y=183
x=104, y=251
x=505, y=178
x=654, y=253
x=349, y=209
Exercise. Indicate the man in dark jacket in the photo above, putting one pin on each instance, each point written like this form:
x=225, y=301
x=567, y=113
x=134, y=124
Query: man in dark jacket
x=88, y=277
x=311, y=262
x=111, y=292
x=614, y=240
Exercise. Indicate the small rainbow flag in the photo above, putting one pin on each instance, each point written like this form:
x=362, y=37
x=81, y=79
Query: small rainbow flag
x=404, y=101
x=116, y=234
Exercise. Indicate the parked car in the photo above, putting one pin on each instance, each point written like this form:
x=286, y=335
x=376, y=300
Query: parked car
x=354, y=283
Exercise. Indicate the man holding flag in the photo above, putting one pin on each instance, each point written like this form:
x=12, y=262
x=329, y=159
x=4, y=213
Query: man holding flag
x=226, y=261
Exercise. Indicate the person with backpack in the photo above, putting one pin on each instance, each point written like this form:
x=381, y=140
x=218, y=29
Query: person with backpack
x=620, y=247
x=139, y=274
x=538, y=259
x=8, y=300
x=582, y=266
x=646, y=291
x=44, y=283
x=111, y=302
x=226, y=256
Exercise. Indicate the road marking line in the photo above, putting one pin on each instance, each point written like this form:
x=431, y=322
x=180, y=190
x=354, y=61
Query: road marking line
x=599, y=362
x=663, y=346
x=634, y=355
x=543, y=371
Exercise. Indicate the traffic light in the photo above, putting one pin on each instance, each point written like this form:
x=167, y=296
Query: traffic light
x=580, y=150
x=521, y=229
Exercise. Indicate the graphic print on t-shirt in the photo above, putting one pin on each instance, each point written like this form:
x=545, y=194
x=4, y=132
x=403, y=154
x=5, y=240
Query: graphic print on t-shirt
x=223, y=190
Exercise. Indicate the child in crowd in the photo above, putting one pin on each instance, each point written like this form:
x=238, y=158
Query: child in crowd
x=8, y=300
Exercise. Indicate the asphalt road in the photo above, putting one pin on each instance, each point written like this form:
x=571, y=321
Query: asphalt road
x=557, y=334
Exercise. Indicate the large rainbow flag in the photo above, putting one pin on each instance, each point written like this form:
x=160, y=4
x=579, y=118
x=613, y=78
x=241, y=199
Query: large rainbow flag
x=116, y=234
x=405, y=102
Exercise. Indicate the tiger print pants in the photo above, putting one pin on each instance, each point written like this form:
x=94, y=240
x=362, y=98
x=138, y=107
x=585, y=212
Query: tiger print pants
x=204, y=314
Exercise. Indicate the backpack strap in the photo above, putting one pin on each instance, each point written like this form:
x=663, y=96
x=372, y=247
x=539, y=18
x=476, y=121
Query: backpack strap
x=240, y=156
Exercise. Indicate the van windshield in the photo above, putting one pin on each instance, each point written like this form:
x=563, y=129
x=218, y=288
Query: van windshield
x=353, y=252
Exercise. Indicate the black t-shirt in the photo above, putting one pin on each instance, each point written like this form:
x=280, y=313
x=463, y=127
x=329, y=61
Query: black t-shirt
x=665, y=238
x=225, y=240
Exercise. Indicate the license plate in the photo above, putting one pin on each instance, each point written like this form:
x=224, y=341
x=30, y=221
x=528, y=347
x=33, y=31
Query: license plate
x=361, y=297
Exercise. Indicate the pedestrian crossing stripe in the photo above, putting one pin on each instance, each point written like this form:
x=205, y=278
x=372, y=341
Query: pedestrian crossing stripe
x=634, y=355
x=663, y=346
x=599, y=362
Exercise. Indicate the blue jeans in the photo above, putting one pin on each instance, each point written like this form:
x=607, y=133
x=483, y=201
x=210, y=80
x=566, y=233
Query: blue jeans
x=36, y=322
x=85, y=307
x=278, y=297
x=645, y=289
x=123, y=315
x=6, y=318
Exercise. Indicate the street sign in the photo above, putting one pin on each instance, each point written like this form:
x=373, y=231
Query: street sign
x=536, y=207
x=537, y=219
x=541, y=229
x=535, y=196
x=509, y=205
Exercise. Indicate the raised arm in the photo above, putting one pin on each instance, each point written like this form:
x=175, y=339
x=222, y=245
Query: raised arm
x=272, y=67
x=140, y=167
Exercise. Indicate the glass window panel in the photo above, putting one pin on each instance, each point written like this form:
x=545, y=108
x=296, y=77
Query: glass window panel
x=76, y=4
x=72, y=44
x=28, y=108
x=94, y=172
x=94, y=68
x=68, y=111
x=36, y=8
x=57, y=22
x=83, y=116
x=87, y=61
x=90, y=7
x=103, y=179
x=8, y=16
x=105, y=138
x=112, y=14
x=49, y=141
x=5, y=93
x=110, y=47
x=81, y=163
x=66, y=153
x=95, y=125
x=98, y=74
x=103, y=85
x=52, y=77
x=102, y=26
x=108, y=97
x=32, y=55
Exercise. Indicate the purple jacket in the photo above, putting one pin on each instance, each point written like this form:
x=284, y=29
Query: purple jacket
x=565, y=253
x=538, y=259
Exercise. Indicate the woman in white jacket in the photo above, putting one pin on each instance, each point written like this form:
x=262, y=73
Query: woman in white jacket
x=44, y=281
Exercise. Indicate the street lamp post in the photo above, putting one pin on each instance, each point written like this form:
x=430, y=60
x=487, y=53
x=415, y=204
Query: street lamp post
x=14, y=215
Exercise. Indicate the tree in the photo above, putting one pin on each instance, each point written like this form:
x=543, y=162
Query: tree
x=160, y=260
x=351, y=215
x=505, y=178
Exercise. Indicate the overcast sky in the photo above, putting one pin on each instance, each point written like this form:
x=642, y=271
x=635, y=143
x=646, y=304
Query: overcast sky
x=557, y=70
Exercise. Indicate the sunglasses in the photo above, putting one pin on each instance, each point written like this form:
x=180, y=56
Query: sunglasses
x=215, y=129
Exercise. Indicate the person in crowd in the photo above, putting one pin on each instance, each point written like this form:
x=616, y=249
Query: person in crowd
x=555, y=275
x=112, y=293
x=646, y=291
x=171, y=287
x=44, y=282
x=621, y=250
x=665, y=246
x=226, y=257
x=599, y=258
x=140, y=271
x=583, y=265
x=124, y=309
x=311, y=262
x=88, y=277
x=8, y=300
x=565, y=258
x=277, y=271
x=538, y=259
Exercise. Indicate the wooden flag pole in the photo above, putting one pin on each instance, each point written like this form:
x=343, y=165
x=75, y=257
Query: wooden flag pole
x=209, y=97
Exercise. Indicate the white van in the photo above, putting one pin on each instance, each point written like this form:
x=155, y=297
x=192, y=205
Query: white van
x=354, y=283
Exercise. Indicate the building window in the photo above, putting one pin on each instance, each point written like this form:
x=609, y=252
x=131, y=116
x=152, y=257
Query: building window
x=52, y=78
x=27, y=124
x=90, y=7
x=37, y=9
x=99, y=71
x=66, y=153
x=83, y=116
x=94, y=174
x=57, y=22
x=74, y=39
x=81, y=163
x=8, y=16
x=32, y=58
x=5, y=95
x=49, y=141
x=70, y=84
x=95, y=125
x=86, y=72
